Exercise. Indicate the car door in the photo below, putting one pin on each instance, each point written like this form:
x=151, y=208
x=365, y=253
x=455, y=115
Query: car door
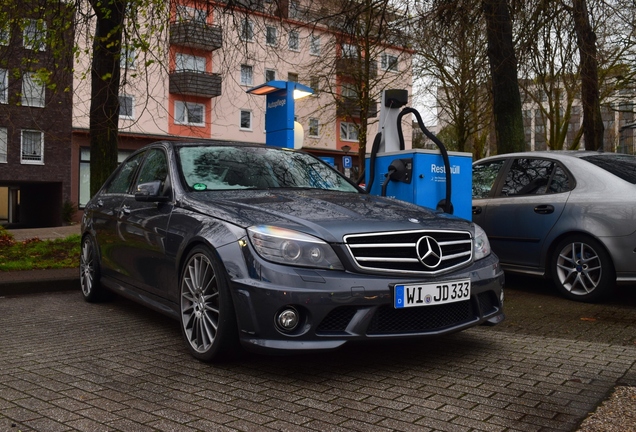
x=143, y=225
x=105, y=208
x=524, y=205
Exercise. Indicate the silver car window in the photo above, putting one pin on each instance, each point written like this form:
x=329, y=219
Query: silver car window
x=484, y=176
x=532, y=177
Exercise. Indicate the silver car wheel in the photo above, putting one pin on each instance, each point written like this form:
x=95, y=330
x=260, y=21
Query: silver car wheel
x=87, y=267
x=200, y=303
x=90, y=273
x=579, y=268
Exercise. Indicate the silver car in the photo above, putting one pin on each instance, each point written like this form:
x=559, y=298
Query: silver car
x=566, y=215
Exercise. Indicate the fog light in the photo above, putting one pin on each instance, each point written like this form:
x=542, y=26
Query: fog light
x=287, y=319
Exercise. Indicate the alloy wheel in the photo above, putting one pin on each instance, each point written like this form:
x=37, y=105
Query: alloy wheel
x=579, y=268
x=200, y=303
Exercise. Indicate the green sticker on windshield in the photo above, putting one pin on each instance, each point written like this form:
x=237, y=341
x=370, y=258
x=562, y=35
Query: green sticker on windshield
x=199, y=186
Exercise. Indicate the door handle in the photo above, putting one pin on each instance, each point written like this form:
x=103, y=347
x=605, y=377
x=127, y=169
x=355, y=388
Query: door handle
x=476, y=210
x=124, y=210
x=544, y=209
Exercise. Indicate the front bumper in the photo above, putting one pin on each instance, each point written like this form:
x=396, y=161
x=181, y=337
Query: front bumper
x=338, y=307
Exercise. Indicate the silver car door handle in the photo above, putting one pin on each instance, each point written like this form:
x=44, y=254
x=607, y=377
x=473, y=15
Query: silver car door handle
x=544, y=209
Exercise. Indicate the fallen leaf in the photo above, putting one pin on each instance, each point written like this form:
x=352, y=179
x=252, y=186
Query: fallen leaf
x=588, y=319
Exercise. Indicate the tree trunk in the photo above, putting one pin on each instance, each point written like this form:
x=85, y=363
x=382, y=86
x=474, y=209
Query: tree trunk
x=586, y=40
x=105, y=80
x=503, y=67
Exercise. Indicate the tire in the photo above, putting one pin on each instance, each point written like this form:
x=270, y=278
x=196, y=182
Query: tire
x=582, y=270
x=208, y=320
x=90, y=273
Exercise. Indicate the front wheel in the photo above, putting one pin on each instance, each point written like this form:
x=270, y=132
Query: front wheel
x=208, y=321
x=582, y=270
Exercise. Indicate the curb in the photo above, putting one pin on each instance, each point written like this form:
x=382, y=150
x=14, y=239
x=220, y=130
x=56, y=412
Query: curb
x=38, y=281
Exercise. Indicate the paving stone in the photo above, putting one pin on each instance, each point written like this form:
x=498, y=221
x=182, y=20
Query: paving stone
x=69, y=365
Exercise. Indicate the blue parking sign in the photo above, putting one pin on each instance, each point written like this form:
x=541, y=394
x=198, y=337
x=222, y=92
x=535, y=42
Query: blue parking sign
x=347, y=162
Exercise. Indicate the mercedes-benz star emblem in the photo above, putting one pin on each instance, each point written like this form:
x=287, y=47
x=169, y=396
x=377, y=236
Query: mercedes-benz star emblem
x=429, y=252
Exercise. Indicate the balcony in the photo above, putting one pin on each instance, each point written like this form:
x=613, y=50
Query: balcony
x=196, y=35
x=193, y=83
x=348, y=107
x=352, y=67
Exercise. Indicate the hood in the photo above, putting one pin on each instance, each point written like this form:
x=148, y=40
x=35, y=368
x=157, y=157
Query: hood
x=328, y=215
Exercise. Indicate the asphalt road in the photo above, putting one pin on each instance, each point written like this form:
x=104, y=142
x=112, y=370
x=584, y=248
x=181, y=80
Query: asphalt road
x=69, y=365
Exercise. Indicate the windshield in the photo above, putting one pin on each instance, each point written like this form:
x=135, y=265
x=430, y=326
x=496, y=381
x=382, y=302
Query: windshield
x=622, y=166
x=226, y=167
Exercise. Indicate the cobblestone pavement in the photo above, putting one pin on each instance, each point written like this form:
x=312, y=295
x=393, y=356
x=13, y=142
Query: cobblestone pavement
x=69, y=365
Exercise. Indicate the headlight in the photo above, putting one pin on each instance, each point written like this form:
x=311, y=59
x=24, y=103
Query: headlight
x=290, y=247
x=481, y=245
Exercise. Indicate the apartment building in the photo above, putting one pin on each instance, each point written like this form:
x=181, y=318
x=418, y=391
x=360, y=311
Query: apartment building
x=214, y=55
x=35, y=118
x=193, y=86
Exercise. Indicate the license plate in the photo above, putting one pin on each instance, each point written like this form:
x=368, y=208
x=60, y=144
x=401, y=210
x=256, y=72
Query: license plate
x=429, y=294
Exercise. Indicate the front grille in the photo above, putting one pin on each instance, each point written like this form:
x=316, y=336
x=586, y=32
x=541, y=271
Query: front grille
x=388, y=320
x=406, y=251
x=337, y=320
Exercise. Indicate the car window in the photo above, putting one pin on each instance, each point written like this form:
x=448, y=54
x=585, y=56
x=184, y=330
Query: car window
x=622, y=166
x=123, y=179
x=532, y=177
x=561, y=181
x=223, y=168
x=484, y=176
x=155, y=168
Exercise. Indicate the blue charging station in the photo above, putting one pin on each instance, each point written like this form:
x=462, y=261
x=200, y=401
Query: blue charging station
x=280, y=128
x=426, y=182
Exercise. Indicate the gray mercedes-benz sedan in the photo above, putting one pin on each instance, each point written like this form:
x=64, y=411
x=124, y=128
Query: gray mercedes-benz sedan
x=275, y=251
x=567, y=215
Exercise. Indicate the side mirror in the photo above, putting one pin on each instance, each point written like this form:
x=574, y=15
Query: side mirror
x=151, y=192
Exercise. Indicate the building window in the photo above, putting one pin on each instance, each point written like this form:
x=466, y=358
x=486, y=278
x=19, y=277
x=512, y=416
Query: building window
x=349, y=51
x=389, y=62
x=247, y=75
x=32, y=90
x=314, y=83
x=128, y=58
x=349, y=91
x=3, y=145
x=186, y=13
x=246, y=120
x=188, y=62
x=126, y=107
x=32, y=147
x=348, y=131
x=314, y=45
x=271, y=36
x=189, y=113
x=294, y=9
x=314, y=128
x=270, y=75
x=5, y=35
x=34, y=35
x=247, y=30
x=4, y=86
x=294, y=43
x=292, y=77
